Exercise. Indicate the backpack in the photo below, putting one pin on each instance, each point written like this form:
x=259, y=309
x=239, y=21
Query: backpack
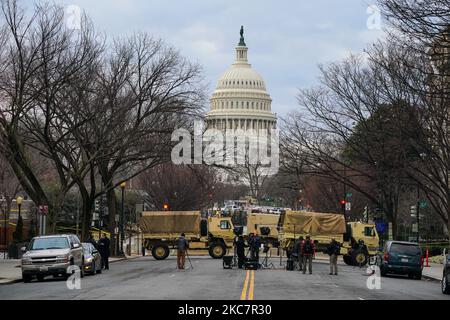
x=307, y=247
x=182, y=244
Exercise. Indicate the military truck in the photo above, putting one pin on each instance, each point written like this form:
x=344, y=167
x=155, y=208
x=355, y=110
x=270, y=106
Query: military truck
x=265, y=225
x=161, y=230
x=359, y=241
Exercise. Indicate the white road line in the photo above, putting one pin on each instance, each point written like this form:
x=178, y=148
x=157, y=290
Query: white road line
x=172, y=276
x=360, y=298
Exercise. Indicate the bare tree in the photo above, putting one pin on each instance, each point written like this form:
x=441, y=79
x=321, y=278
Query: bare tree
x=179, y=186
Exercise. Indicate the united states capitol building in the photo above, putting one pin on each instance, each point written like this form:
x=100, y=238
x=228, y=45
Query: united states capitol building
x=241, y=100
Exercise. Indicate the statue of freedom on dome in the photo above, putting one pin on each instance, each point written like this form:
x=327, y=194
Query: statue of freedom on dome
x=241, y=42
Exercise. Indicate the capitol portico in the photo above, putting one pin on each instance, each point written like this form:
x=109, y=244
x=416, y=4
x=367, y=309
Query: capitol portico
x=240, y=100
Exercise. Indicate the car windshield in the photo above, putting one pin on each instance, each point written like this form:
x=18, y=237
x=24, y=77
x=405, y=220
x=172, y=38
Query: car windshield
x=49, y=243
x=87, y=247
x=404, y=248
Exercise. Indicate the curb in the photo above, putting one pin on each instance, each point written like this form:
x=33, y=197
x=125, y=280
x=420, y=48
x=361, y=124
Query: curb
x=125, y=258
x=11, y=281
x=430, y=278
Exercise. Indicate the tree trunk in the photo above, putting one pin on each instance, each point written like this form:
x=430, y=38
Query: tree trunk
x=112, y=211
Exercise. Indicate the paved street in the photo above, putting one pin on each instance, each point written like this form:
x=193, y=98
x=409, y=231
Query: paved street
x=146, y=278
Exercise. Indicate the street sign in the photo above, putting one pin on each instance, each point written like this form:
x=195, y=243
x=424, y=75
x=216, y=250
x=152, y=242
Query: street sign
x=413, y=210
x=414, y=227
x=423, y=204
x=43, y=209
x=348, y=206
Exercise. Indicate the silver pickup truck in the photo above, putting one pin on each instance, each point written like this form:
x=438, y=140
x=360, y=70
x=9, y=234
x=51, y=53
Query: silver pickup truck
x=52, y=255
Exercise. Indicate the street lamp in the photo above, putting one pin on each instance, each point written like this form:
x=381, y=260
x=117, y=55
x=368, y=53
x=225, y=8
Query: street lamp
x=2, y=200
x=19, y=201
x=122, y=232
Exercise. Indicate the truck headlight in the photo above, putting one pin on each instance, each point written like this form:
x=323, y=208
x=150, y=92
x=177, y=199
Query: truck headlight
x=62, y=259
x=26, y=261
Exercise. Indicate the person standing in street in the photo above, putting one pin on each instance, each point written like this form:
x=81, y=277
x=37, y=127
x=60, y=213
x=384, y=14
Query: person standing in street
x=143, y=248
x=256, y=246
x=240, y=251
x=251, y=238
x=333, y=251
x=103, y=246
x=182, y=247
x=90, y=239
x=308, y=254
x=298, y=252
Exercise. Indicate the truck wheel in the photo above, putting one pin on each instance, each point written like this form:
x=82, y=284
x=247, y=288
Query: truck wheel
x=445, y=284
x=360, y=258
x=348, y=260
x=160, y=251
x=26, y=278
x=217, y=250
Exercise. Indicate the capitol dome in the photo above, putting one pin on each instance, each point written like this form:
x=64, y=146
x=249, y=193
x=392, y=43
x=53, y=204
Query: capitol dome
x=240, y=100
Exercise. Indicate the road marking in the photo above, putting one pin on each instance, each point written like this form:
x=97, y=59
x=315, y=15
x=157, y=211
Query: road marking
x=360, y=298
x=244, y=289
x=172, y=276
x=252, y=285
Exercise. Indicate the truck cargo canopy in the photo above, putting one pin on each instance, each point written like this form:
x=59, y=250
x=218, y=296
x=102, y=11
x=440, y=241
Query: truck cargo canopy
x=314, y=223
x=170, y=222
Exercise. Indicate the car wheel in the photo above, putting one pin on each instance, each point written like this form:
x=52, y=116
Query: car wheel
x=26, y=278
x=94, y=269
x=411, y=275
x=40, y=278
x=418, y=276
x=160, y=251
x=100, y=269
x=445, y=284
x=217, y=250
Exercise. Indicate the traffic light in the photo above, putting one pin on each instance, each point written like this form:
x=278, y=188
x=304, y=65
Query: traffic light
x=343, y=203
x=165, y=207
x=413, y=211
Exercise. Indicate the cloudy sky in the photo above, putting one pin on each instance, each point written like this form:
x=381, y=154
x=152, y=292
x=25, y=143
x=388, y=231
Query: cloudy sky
x=287, y=39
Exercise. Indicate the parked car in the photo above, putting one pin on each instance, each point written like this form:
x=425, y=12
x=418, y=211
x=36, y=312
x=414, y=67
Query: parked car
x=399, y=257
x=92, y=259
x=446, y=275
x=51, y=255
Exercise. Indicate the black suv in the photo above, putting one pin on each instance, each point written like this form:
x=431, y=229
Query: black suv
x=446, y=276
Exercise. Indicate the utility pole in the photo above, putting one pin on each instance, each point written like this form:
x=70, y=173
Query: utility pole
x=122, y=231
x=418, y=213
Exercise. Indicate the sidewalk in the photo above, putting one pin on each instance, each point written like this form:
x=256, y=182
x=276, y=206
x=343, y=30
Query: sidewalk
x=433, y=272
x=10, y=271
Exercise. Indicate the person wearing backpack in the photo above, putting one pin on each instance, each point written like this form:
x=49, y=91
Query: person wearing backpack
x=333, y=251
x=182, y=246
x=297, y=252
x=308, y=254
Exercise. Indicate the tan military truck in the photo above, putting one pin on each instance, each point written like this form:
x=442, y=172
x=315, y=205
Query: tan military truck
x=265, y=225
x=359, y=241
x=161, y=230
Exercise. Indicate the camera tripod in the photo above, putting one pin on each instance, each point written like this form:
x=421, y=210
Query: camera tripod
x=265, y=263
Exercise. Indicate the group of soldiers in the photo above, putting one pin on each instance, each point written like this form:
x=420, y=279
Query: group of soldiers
x=304, y=252
x=254, y=245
